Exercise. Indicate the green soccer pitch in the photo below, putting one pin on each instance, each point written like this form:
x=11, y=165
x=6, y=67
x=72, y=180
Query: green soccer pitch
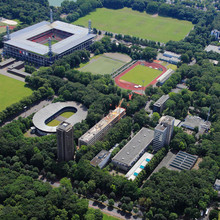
x=140, y=73
x=102, y=65
x=11, y=91
x=143, y=25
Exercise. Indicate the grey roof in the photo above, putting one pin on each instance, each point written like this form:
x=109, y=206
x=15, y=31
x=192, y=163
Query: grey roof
x=212, y=48
x=134, y=147
x=167, y=119
x=161, y=100
x=45, y=113
x=99, y=157
x=160, y=128
x=65, y=126
x=8, y=61
x=20, y=38
x=183, y=161
x=169, y=53
x=194, y=121
x=217, y=182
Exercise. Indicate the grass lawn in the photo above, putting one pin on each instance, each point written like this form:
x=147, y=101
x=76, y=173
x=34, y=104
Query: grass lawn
x=52, y=42
x=171, y=66
x=140, y=73
x=2, y=29
x=54, y=123
x=11, y=91
x=143, y=25
x=102, y=65
x=67, y=114
x=109, y=217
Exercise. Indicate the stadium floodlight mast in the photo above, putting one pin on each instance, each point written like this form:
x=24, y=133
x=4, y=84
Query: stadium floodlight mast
x=51, y=16
x=50, y=47
x=8, y=32
x=90, y=27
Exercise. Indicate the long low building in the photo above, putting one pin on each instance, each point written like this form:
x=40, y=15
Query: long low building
x=134, y=149
x=50, y=112
x=139, y=166
x=100, y=129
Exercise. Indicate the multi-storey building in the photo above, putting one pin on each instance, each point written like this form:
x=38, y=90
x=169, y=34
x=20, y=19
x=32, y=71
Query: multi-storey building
x=100, y=129
x=168, y=122
x=65, y=142
x=160, y=135
x=159, y=105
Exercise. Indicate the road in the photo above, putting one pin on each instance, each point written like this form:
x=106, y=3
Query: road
x=112, y=211
x=27, y=112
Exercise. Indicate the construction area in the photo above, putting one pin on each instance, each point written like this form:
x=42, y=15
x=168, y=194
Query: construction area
x=100, y=129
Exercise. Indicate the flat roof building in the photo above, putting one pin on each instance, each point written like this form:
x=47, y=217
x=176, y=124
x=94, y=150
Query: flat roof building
x=159, y=105
x=100, y=129
x=217, y=185
x=101, y=159
x=183, y=161
x=134, y=149
x=212, y=48
x=195, y=121
x=139, y=166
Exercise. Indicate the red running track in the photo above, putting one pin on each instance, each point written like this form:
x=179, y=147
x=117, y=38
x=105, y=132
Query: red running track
x=128, y=85
x=10, y=27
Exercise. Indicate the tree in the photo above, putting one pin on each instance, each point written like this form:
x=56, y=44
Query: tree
x=103, y=198
x=111, y=202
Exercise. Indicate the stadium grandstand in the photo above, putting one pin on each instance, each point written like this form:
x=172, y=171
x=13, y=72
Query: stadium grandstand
x=45, y=42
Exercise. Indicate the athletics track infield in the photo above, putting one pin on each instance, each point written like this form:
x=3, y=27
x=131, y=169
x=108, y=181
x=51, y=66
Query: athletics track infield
x=129, y=85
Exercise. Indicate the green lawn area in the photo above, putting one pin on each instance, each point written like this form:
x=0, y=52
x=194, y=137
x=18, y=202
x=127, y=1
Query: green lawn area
x=2, y=29
x=140, y=73
x=54, y=123
x=171, y=66
x=67, y=114
x=102, y=65
x=11, y=91
x=108, y=217
x=143, y=25
x=52, y=42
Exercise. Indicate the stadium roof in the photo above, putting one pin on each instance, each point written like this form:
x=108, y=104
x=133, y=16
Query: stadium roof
x=20, y=38
x=134, y=147
x=45, y=113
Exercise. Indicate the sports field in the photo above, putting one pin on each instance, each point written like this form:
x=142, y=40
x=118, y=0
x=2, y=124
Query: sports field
x=143, y=25
x=11, y=91
x=140, y=73
x=52, y=42
x=102, y=65
x=54, y=123
x=67, y=114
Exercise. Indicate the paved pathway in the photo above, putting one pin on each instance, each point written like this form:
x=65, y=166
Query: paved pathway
x=31, y=110
x=5, y=73
x=112, y=211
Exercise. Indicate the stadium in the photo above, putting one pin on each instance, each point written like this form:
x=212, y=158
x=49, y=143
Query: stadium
x=45, y=42
x=54, y=111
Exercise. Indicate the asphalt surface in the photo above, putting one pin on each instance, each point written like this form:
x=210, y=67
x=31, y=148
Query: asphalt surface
x=5, y=73
x=28, y=111
x=112, y=211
